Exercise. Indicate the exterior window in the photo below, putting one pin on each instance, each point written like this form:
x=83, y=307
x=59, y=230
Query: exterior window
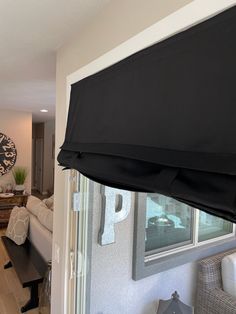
x=211, y=227
x=168, y=233
x=172, y=226
x=168, y=223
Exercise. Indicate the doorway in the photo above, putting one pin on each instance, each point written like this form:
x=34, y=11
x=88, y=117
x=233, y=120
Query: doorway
x=38, y=170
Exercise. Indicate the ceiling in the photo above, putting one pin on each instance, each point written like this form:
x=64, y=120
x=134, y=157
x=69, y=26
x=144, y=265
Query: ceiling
x=30, y=33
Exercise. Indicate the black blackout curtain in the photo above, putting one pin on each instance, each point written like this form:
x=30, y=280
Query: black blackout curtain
x=163, y=120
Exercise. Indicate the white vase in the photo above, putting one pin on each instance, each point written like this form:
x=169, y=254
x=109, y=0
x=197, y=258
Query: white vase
x=19, y=187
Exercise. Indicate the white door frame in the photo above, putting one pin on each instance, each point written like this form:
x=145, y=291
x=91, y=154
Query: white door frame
x=189, y=15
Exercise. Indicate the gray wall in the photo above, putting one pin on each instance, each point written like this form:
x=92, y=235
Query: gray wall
x=112, y=289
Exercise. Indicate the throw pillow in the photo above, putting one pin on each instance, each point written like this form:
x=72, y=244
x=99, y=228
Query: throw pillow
x=228, y=270
x=32, y=204
x=49, y=202
x=18, y=225
x=45, y=216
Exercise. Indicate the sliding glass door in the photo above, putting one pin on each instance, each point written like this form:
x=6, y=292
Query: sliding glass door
x=78, y=253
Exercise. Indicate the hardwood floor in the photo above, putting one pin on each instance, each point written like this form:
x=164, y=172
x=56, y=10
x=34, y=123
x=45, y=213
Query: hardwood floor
x=12, y=295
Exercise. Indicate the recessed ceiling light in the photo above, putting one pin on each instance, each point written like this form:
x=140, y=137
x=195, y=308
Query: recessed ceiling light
x=44, y=110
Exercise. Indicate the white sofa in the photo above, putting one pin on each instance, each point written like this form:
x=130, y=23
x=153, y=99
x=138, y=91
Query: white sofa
x=41, y=224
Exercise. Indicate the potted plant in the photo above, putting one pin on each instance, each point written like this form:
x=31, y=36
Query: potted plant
x=19, y=174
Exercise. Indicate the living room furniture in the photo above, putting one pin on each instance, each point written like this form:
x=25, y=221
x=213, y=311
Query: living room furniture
x=29, y=266
x=228, y=269
x=210, y=297
x=39, y=235
x=6, y=205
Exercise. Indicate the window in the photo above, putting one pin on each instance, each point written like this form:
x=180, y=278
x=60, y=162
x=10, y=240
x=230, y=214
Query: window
x=169, y=233
x=171, y=224
x=211, y=227
x=168, y=224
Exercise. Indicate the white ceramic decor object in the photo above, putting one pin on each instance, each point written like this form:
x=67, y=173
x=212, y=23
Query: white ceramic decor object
x=19, y=187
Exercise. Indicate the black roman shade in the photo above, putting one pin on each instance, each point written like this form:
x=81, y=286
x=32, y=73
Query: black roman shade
x=163, y=120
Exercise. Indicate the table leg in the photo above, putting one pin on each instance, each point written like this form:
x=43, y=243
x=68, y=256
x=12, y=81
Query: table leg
x=8, y=265
x=33, y=301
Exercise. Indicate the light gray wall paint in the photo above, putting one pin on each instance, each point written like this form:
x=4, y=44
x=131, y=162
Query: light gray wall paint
x=112, y=289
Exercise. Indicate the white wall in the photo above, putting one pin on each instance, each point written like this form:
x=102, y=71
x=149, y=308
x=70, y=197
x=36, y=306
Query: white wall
x=119, y=21
x=18, y=126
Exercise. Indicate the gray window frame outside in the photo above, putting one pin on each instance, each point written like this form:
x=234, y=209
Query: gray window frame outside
x=142, y=269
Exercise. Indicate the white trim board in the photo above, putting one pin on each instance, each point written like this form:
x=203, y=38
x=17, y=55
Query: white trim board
x=184, y=18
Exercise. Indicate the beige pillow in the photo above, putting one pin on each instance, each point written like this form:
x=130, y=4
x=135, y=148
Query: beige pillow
x=228, y=274
x=18, y=225
x=32, y=204
x=45, y=216
x=49, y=202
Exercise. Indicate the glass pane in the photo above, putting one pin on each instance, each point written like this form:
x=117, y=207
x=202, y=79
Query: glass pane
x=212, y=227
x=168, y=223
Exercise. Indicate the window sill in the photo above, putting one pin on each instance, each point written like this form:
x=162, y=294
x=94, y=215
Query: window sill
x=142, y=270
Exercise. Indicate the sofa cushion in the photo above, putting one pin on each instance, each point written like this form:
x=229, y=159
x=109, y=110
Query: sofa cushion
x=18, y=225
x=49, y=202
x=228, y=267
x=32, y=204
x=45, y=216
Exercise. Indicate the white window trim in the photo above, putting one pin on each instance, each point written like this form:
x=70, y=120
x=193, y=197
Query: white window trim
x=194, y=244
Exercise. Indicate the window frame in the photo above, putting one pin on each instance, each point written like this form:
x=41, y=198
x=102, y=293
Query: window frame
x=145, y=265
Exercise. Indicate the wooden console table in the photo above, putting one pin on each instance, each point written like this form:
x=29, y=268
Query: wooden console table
x=6, y=205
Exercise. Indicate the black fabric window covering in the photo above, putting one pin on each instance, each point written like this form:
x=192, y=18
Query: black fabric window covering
x=163, y=120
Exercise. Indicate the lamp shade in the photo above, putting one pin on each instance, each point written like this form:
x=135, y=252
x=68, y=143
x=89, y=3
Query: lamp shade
x=174, y=306
x=163, y=120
